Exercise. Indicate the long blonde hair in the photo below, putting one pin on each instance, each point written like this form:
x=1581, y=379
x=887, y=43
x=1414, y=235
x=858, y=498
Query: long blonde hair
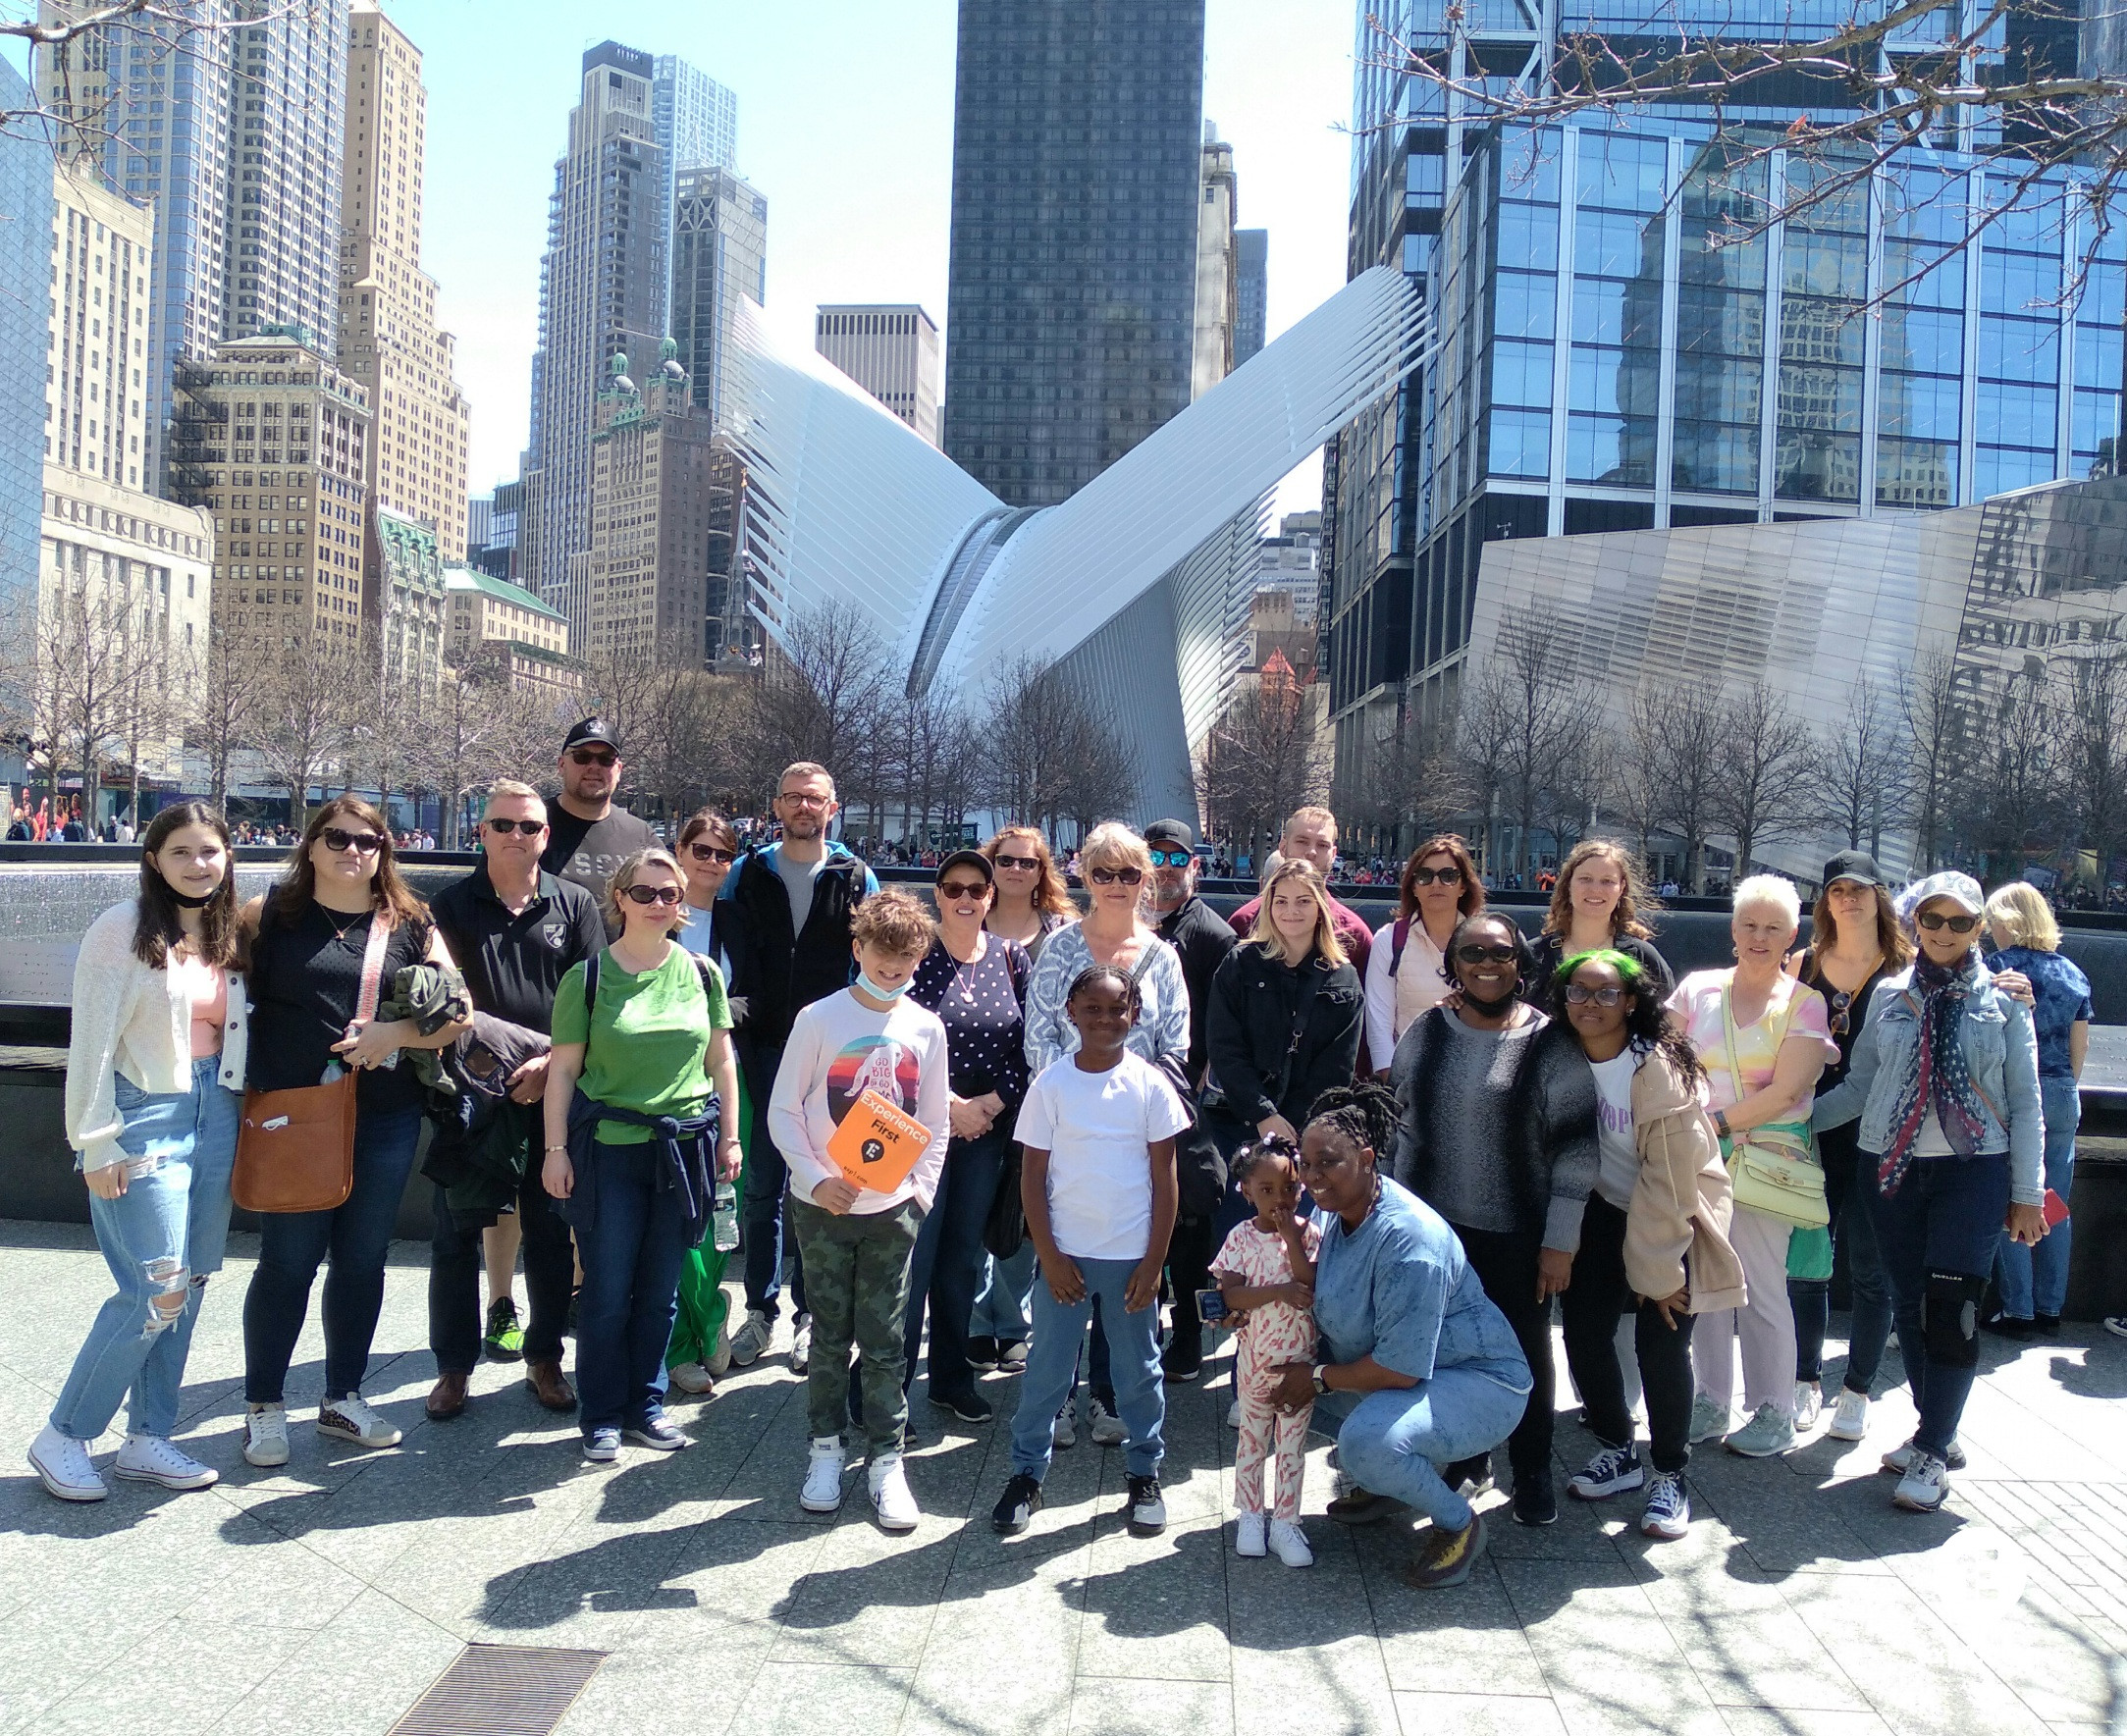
x=1325, y=939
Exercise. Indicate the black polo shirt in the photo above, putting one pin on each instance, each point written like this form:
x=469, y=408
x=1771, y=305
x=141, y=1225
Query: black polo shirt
x=513, y=964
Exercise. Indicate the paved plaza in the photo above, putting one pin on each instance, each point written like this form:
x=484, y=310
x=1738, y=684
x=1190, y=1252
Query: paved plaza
x=329, y=1596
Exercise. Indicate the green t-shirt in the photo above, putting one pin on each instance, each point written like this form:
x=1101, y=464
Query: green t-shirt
x=647, y=1043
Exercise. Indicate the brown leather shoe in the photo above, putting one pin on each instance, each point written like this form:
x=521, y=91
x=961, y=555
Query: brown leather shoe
x=447, y=1397
x=546, y=1382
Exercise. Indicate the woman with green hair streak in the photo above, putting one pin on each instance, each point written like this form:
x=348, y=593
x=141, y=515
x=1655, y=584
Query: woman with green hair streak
x=1656, y=1228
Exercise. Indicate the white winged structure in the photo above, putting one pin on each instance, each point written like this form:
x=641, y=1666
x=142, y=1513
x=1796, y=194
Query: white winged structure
x=1133, y=587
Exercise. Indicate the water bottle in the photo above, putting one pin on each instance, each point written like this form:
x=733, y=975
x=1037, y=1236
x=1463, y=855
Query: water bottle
x=726, y=1217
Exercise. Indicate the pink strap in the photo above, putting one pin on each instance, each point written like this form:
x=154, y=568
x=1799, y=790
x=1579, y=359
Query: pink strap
x=379, y=937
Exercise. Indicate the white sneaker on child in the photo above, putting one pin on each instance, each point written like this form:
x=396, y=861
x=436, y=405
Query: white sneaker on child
x=1248, y=1533
x=822, y=1491
x=1291, y=1543
x=1105, y=1427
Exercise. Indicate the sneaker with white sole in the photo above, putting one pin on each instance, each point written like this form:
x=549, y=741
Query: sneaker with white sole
x=1144, y=1512
x=1251, y=1533
x=657, y=1433
x=822, y=1491
x=1709, y=1418
x=718, y=1361
x=1017, y=1505
x=1925, y=1485
x=1233, y=1414
x=695, y=1378
x=1668, y=1512
x=1768, y=1432
x=265, y=1436
x=154, y=1459
x=62, y=1463
x=1104, y=1427
x=602, y=1446
x=1809, y=1404
x=891, y=1499
x=1900, y=1458
x=1850, y=1416
x=2117, y=1325
x=349, y=1418
x=801, y=1345
x=752, y=1339
x=1065, y=1432
x=1289, y=1542
x=1612, y=1471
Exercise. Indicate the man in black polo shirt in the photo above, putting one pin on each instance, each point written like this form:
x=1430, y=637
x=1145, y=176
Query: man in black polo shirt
x=588, y=837
x=514, y=929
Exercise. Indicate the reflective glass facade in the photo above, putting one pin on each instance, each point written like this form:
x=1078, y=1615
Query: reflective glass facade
x=25, y=300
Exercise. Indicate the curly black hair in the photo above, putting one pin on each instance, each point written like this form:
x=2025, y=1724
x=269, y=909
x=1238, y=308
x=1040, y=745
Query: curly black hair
x=1364, y=1114
x=1093, y=973
x=1253, y=1155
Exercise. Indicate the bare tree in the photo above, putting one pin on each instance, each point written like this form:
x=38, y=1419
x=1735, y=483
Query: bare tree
x=1861, y=770
x=481, y=727
x=1051, y=756
x=2018, y=803
x=1931, y=707
x=1534, y=719
x=309, y=708
x=1677, y=748
x=1640, y=790
x=937, y=763
x=1764, y=758
x=1262, y=759
x=1407, y=786
x=823, y=694
x=2094, y=720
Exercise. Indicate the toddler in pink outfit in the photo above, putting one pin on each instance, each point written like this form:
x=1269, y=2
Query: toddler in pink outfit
x=1265, y=1274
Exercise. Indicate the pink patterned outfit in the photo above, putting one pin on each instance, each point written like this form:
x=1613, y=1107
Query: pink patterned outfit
x=1268, y=1337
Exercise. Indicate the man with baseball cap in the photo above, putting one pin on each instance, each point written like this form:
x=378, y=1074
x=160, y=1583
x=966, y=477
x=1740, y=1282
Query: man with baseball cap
x=587, y=836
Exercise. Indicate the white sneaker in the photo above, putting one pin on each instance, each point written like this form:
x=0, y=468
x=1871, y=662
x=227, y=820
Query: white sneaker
x=265, y=1436
x=692, y=1377
x=1809, y=1403
x=891, y=1499
x=1066, y=1431
x=1105, y=1427
x=64, y=1468
x=822, y=1491
x=1900, y=1458
x=1249, y=1532
x=351, y=1419
x=801, y=1344
x=1925, y=1484
x=1291, y=1543
x=151, y=1458
x=720, y=1358
x=1850, y=1416
x=1233, y=1414
x=752, y=1340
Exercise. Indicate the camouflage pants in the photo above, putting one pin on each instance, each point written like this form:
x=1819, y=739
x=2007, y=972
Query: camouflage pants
x=856, y=1285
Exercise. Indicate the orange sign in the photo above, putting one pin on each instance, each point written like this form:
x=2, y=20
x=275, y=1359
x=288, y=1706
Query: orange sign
x=877, y=1144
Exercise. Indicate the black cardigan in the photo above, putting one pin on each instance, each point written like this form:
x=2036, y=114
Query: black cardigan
x=1255, y=1001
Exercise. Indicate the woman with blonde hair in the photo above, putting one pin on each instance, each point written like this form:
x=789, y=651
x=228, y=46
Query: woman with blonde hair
x=1406, y=966
x=1033, y=902
x=1597, y=905
x=2034, y=1281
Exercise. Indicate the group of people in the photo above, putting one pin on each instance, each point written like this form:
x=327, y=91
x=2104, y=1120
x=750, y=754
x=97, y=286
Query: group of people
x=1070, y=1145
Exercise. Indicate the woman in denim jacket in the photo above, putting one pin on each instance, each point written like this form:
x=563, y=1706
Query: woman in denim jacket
x=1945, y=1081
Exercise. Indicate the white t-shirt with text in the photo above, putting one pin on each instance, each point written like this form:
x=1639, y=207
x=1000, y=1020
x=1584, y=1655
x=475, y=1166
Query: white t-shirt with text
x=1618, y=1165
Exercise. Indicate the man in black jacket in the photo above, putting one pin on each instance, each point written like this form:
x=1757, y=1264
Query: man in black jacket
x=1197, y=932
x=790, y=902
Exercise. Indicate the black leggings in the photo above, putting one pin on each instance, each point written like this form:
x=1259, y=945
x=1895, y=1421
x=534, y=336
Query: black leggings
x=1505, y=1262
x=1597, y=1295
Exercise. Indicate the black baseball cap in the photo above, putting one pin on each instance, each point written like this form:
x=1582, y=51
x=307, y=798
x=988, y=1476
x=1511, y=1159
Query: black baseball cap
x=1172, y=831
x=591, y=729
x=1853, y=865
x=973, y=859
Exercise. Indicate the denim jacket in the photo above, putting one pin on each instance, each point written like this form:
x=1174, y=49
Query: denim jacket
x=2000, y=1049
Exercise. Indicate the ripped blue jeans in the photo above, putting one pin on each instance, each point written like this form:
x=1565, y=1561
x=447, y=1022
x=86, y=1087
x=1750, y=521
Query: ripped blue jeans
x=161, y=1239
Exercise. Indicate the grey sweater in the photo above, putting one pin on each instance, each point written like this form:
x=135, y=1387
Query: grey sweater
x=1498, y=1129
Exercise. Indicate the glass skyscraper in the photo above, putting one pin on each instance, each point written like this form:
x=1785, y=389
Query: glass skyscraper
x=1077, y=151
x=26, y=291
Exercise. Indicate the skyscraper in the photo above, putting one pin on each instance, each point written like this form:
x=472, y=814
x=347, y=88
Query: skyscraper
x=1077, y=160
x=102, y=260
x=388, y=340
x=892, y=353
x=696, y=119
x=1218, y=268
x=1251, y=293
x=719, y=255
x=28, y=289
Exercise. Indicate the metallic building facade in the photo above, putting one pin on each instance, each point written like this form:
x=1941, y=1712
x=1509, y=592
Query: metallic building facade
x=26, y=294
x=719, y=258
x=1251, y=248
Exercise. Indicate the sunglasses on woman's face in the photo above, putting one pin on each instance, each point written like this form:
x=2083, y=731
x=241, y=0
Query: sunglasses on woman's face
x=956, y=891
x=531, y=829
x=1932, y=921
x=1473, y=954
x=336, y=839
x=649, y=895
x=1029, y=862
x=1447, y=877
x=711, y=852
x=1128, y=876
x=1578, y=996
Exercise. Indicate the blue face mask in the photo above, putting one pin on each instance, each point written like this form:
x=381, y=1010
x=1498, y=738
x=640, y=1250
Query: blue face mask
x=883, y=994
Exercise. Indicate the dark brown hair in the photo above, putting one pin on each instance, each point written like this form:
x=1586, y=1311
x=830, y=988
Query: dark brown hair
x=158, y=927
x=1051, y=897
x=1891, y=937
x=1469, y=902
x=708, y=819
x=297, y=885
x=895, y=920
x=1633, y=897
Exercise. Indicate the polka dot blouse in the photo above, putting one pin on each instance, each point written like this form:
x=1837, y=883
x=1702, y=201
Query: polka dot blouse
x=981, y=1006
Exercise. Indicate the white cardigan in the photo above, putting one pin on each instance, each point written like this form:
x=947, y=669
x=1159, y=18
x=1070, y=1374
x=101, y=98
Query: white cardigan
x=131, y=1018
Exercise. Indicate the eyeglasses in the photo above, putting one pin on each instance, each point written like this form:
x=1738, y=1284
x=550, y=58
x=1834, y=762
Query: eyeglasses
x=1841, y=1002
x=803, y=799
x=1578, y=996
x=959, y=889
x=649, y=895
x=337, y=838
x=1958, y=925
x=711, y=853
x=1447, y=877
x=502, y=828
x=1029, y=862
x=592, y=756
x=1172, y=857
x=1473, y=954
x=1129, y=876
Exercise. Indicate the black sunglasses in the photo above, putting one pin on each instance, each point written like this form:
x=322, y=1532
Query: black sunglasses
x=711, y=853
x=1129, y=876
x=955, y=890
x=1018, y=862
x=1471, y=953
x=585, y=757
x=1447, y=877
x=531, y=829
x=1959, y=924
x=648, y=895
x=338, y=838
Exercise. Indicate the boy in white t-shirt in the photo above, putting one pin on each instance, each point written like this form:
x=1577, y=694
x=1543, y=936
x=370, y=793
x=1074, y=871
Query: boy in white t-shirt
x=856, y=1242
x=1097, y=1182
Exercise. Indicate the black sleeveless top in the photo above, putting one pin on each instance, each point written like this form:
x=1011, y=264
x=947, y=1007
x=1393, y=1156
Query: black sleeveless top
x=1846, y=1013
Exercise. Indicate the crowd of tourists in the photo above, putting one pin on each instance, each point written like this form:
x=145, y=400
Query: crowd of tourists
x=999, y=1134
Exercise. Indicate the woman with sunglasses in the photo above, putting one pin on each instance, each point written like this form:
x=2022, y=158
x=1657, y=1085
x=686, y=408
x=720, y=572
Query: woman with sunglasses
x=1407, y=965
x=1595, y=906
x=1033, y=902
x=1499, y=1136
x=309, y=937
x=701, y=1349
x=1945, y=1080
x=1855, y=943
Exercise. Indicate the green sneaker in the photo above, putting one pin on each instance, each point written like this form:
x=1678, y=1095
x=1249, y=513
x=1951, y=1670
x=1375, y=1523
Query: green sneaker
x=1767, y=1433
x=1709, y=1418
x=506, y=1338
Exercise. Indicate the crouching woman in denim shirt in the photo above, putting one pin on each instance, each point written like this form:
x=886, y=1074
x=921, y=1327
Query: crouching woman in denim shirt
x=1418, y=1366
x=1945, y=1081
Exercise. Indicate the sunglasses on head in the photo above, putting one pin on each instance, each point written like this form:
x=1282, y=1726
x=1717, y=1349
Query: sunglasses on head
x=593, y=756
x=1128, y=876
x=711, y=853
x=1447, y=877
x=339, y=838
x=1578, y=996
x=1171, y=858
x=1472, y=953
x=954, y=890
x=1029, y=862
x=502, y=828
x=1958, y=925
x=649, y=895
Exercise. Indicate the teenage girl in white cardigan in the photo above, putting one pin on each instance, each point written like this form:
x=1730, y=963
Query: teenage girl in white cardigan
x=154, y=1088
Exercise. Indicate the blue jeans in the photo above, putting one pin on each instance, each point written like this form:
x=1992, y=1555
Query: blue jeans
x=1937, y=1235
x=631, y=1251
x=1141, y=1394
x=162, y=1238
x=1003, y=1297
x=767, y=1180
x=357, y=1234
x=1394, y=1442
x=2035, y=1280
x=947, y=1262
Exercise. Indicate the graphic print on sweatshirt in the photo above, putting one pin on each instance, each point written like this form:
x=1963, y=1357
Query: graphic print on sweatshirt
x=872, y=1062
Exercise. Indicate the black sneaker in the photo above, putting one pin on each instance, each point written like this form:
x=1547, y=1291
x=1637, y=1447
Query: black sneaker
x=970, y=1406
x=1535, y=1501
x=1011, y=1356
x=2046, y=1326
x=1472, y=1476
x=982, y=1354
x=505, y=1337
x=2007, y=1326
x=1182, y=1363
x=1017, y=1505
x=1146, y=1512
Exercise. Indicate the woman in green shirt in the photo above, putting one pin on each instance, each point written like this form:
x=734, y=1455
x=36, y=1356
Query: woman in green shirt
x=642, y=1065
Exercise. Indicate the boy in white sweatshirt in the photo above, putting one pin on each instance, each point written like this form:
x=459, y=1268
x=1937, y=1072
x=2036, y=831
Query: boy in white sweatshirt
x=856, y=1242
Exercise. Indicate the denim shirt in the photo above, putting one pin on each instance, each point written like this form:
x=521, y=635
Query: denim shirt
x=2001, y=1050
x=2062, y=993
x=1400, y=1289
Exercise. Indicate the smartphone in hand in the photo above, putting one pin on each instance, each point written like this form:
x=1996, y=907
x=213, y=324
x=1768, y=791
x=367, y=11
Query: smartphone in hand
x=1212, y=1306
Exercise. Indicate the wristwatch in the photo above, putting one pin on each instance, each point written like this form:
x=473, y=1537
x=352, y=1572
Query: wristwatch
x=1720, y=1123
x=1322, y=1383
